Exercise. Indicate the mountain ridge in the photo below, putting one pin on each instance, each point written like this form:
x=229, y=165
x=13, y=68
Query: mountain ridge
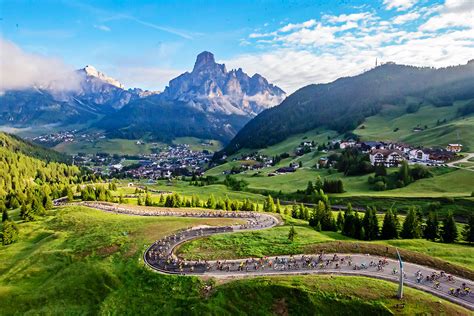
x=343, y=104
x=208, y=102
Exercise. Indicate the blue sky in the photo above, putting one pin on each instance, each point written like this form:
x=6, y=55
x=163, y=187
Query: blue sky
x=292, y=43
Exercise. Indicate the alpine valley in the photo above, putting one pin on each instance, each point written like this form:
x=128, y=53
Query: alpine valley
x=208, y=102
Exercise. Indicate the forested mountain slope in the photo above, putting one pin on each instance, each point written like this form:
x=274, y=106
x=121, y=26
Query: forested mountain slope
x=29, y=173
x=344, y=104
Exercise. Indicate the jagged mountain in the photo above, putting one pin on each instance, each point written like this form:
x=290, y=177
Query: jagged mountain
x=96, y=96
x=345, y=103
x=211, y=88
x=209, y=102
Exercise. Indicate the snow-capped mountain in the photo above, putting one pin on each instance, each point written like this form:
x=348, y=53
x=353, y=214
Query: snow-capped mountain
x=97, y=94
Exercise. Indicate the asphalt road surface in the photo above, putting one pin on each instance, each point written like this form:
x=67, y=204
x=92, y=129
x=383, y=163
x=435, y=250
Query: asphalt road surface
x=160, y=256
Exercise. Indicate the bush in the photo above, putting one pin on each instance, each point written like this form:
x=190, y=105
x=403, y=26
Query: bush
x=380, y=186
x=9, y=232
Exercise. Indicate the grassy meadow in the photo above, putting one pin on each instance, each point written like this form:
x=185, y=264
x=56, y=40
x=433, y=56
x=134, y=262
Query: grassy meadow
x=111, y=146
x=275, y=241
x=77, y=260
x=395, y=124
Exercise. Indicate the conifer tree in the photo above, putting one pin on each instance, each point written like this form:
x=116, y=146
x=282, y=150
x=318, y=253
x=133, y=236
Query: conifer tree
x=431, y=231
x=468, y=232
x=9, y=233
x=449, y=232
x=389, y=227
x=340, y=221
x=370, y=224
x=278, y=206
x=411, y=226
x=291, y=234
x=47, y=202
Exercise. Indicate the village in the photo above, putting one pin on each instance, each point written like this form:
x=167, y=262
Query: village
x=171, y=161
x=389, y=154
x=69, y=136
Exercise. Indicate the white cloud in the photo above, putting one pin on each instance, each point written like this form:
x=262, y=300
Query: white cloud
x=454, y=13
x=290, y=27
x=399, y=5
x=344, y=45
x=21, y=70
x=348, y=17
x=404, y=18
x=104, y=28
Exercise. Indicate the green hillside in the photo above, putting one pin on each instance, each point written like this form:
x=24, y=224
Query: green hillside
x=440, y=126
x=346, y=103
x=15, y=144
x=82, y=261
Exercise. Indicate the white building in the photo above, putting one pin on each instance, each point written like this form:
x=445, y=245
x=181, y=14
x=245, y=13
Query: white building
x=386, y=157
x=419, y=155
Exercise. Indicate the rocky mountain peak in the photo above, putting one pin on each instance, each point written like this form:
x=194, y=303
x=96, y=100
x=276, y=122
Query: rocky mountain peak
x=91, y=71
x=205, y=62
x=210, y=88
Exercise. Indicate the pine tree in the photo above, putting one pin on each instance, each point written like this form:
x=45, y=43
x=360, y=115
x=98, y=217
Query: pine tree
x=309, y=188
x=47, y=203
x=9, y=232
x=370, y=224
x=357, y=226
x=431, y=231
x=148, y=201
x=69, y=194
x=291, y=234
x=211, y=202
x=318, y=227
x=468, y=232
x=411, y=225
x=294, y=211
x=449, y=232
x=37, y=207
x=340, y=221
x=404, y=173
x=269, y=205
x=348, y=227
x=162, y=200
x=278, y=206
x=389, y=227
x=26, y=213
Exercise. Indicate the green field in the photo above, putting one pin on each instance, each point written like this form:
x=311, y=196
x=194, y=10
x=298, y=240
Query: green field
x=82, y=261
x=455, y=183
x=111, y=146
x=275, y=241
x=456, y=130
x=184, y=188
x=197, y=144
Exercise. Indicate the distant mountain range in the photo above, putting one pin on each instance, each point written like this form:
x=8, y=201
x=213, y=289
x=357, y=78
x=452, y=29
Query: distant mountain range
x=344, y=104
x=97, y=95
x=209, y=102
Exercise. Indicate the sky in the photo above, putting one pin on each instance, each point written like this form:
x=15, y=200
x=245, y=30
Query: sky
x=291, y=43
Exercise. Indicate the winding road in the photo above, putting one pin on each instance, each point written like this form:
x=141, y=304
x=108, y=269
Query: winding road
x=455, y=164
x=160, y=256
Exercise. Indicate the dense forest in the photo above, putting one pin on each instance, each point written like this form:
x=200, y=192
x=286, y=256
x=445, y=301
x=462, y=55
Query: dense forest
x=343, y=104
x=15, y=144
x=29, y=172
